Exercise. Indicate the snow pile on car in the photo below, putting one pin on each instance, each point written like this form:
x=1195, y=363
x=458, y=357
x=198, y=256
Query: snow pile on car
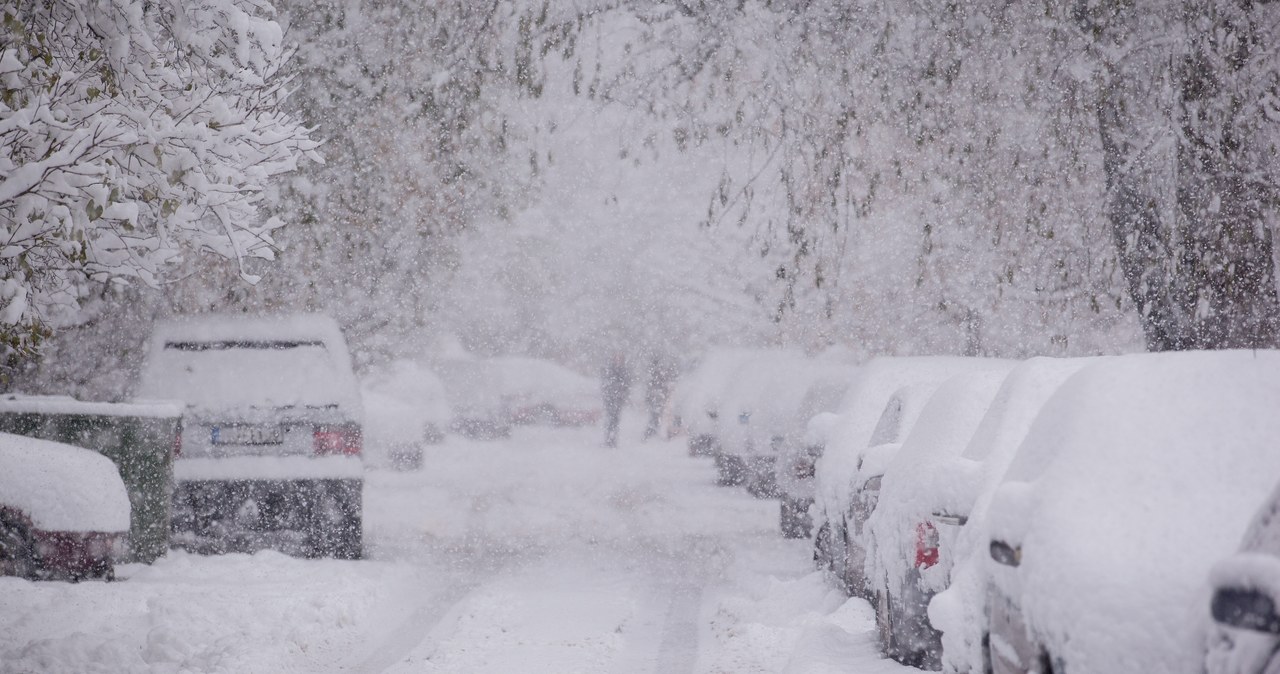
x=873, y=385
x=216, y=363
x=964, y=485
x=61, y=487
x=1144, y=471
x=701, y=392
x=948, y=421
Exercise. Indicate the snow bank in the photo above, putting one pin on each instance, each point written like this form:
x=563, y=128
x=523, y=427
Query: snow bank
x=1115, y=554
x=61, y=487
x=223, y=614
x=23, y=404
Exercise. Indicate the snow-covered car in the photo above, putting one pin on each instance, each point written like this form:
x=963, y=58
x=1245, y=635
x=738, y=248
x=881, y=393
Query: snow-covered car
x=1245, y=604
x=846, y=538
x=836, y=477
x=272, y=442
x=697, y=396
x=953, y=493
x=901, y=542
x=759, y=404
x=64, y=511
x=1136, y=476
x=405, y=409
x=537, y=391
x=474, y=390
x=796, y=456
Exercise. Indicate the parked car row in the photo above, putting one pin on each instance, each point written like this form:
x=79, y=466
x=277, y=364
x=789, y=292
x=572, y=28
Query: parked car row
x=1109, y=514
x=750, y=410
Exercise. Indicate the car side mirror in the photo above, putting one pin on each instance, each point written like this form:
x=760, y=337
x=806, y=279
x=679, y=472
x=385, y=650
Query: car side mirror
x=1246, y=609
x=1005, y=554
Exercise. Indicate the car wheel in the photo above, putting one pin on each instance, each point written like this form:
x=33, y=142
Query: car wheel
x=336, y=521
x=789, y=519
x=17, y=553
x=822, y=547
x=884, y=625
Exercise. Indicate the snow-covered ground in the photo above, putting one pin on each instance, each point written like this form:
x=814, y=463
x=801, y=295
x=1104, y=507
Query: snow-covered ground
x=542, y=553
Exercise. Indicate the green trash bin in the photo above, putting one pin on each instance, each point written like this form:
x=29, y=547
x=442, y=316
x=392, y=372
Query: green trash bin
x=139, y=437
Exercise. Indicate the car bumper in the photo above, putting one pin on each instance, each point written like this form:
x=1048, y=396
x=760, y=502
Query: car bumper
x=214, y=516
x=913, y=631
x=75, y=556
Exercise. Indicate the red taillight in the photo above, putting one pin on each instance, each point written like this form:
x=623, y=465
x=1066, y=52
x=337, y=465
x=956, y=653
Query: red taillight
x=926, y=545
x=337, y=440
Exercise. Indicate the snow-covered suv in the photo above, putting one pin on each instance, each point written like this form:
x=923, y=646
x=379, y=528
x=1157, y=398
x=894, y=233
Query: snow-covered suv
x=271, y=446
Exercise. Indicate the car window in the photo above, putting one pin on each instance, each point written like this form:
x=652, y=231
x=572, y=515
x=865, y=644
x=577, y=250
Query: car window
x=889, y=425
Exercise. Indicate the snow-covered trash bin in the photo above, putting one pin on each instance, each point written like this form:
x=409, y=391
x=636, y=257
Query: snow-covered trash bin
x=272, y=441
x=138, y=437
x=1137, y=475
x=64, y=511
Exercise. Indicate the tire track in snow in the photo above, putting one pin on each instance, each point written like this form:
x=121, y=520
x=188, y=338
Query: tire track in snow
x=678, y=648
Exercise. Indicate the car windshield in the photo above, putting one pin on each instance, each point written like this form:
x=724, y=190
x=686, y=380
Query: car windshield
x=241, y=373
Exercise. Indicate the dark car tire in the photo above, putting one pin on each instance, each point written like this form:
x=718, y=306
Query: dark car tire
x=728, y=472
x=337, y=528
x=793, y=520
x=17, y=551
x=884, y=625
x=822, y=547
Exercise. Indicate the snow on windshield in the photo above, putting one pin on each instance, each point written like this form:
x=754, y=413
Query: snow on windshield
x=230, y=375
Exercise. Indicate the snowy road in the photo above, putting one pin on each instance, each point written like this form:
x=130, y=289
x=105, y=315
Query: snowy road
x=544, y=553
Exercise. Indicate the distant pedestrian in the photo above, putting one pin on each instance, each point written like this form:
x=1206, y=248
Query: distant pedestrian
x=657, y=390
x=615, y=385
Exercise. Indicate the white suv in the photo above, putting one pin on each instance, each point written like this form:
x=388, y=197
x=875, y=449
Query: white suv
x=271, y=445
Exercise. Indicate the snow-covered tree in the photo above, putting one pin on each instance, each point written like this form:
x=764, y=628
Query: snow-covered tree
x=1186, y=100
x=135, y=135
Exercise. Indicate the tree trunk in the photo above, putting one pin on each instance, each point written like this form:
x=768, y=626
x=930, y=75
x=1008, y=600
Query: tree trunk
x=1190, y=216
x=1226, y=268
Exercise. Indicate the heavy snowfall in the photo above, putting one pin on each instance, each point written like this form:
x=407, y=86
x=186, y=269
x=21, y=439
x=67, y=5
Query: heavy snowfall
x=640, y=336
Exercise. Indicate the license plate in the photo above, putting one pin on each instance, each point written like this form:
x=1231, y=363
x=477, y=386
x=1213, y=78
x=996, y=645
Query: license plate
x=247, y=435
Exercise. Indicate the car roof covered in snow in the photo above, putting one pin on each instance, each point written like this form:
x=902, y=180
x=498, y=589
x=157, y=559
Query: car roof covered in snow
x=217, y=363
x=702, y=390
x=874, y=385
x=542, y=380
x=1146, y=469
x=61, y=487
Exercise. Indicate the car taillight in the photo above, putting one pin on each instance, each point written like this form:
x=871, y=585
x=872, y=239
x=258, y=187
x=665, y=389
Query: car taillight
x=337, y=440
x=926, y=545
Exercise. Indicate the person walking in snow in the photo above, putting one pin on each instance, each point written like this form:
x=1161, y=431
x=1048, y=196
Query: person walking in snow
x=615, y=385
x=657, y=391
